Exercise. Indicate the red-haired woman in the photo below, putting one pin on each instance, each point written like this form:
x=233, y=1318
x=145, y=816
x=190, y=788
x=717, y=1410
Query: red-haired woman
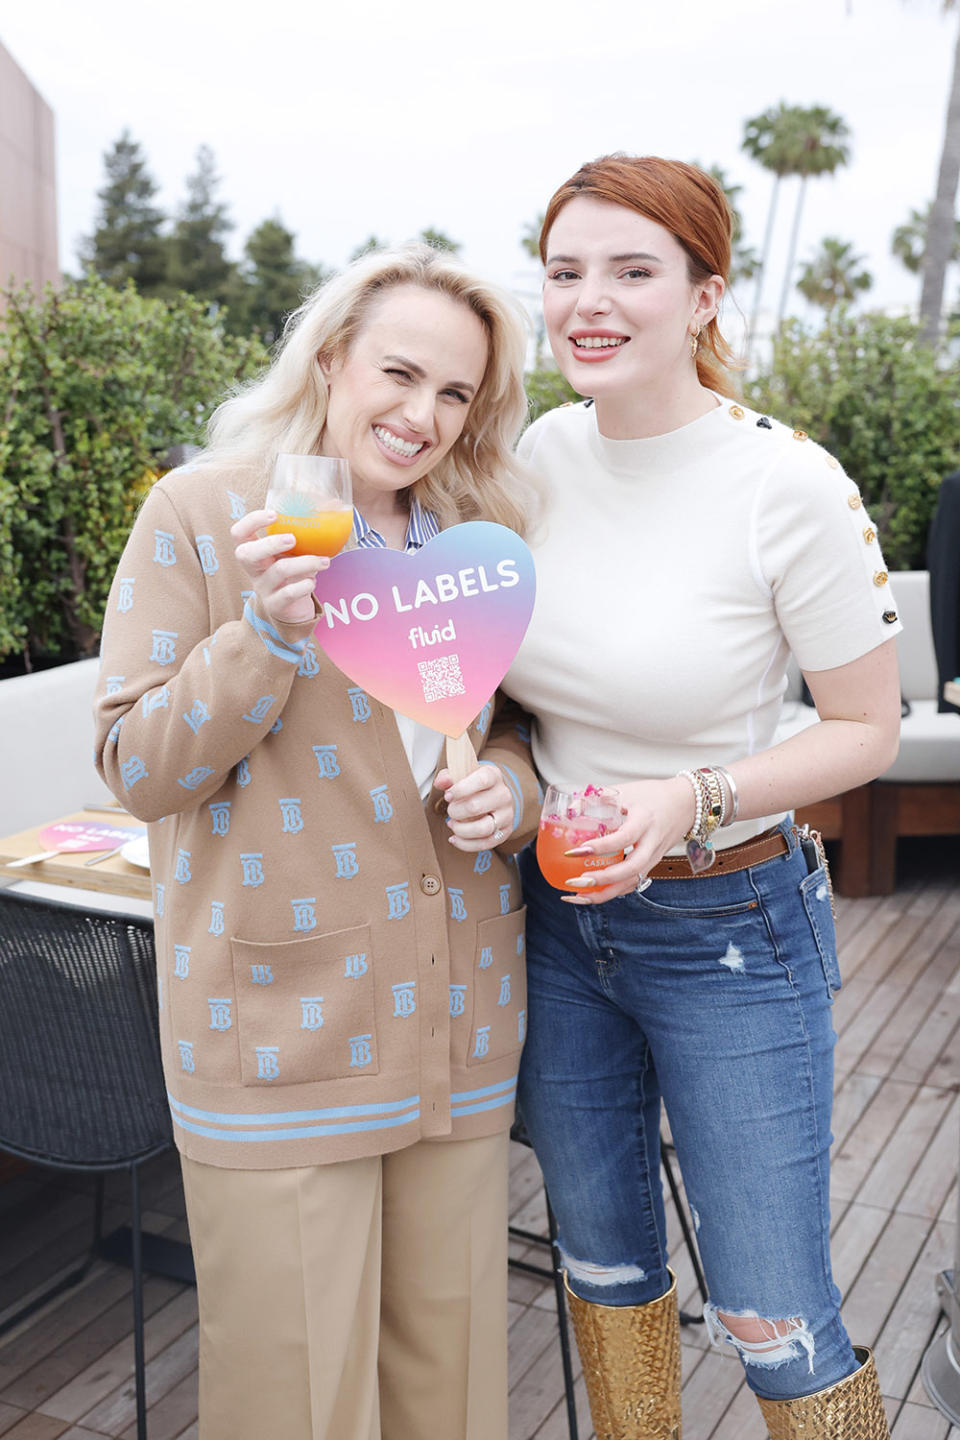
x=690, y=546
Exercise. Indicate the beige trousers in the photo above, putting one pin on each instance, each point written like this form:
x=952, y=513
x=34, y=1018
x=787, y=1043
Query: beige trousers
x=364, y=1300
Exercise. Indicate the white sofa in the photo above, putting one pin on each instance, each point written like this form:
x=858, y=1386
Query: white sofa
x=46, y=751
x=46, y=767
x=920, y=793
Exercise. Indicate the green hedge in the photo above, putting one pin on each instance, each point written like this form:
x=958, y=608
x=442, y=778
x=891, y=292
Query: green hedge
x=97, y=385
x=885, y=405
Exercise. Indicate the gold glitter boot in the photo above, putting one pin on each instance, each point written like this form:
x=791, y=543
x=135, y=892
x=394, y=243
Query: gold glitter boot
x=631, y=1365
x=850, y=1410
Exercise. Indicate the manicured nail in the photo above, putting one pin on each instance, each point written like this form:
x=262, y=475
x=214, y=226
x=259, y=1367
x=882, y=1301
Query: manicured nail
x=582, y=881
x=580, y=850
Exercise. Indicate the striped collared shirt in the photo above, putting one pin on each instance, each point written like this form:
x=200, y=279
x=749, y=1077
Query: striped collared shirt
x=421, y=527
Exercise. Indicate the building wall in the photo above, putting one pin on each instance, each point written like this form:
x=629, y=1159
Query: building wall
x=28, y=198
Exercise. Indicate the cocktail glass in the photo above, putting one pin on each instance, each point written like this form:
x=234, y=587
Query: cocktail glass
x=313, y=498
x=568, y=818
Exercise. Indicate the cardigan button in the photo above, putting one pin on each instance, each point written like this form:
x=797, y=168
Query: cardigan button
x=431, y=884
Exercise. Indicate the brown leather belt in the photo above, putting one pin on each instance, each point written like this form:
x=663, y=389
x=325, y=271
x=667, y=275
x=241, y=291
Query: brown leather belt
x=735, y=857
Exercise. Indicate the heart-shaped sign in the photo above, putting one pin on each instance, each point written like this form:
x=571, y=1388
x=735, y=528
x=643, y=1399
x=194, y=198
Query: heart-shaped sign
x=78, y=835
x=430, y=634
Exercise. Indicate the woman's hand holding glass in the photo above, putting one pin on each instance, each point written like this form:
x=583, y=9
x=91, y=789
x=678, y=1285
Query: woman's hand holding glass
x=306, y=519
x=480, y=808
x=283, y=581
x=657, y=815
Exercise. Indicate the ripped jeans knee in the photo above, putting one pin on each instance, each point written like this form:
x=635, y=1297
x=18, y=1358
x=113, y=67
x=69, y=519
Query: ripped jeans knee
x=765, y=1343
x=622, y=1283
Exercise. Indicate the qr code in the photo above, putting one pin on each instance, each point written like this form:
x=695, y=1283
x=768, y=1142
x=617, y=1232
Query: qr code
x=441, y=677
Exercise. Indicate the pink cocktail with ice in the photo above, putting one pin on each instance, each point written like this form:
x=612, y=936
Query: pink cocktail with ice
x=568, y=819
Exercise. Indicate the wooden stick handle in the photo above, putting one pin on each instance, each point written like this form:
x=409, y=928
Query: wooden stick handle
x=461, y=756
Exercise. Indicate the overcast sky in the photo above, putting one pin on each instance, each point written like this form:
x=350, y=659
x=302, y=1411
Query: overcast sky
x=346, y=117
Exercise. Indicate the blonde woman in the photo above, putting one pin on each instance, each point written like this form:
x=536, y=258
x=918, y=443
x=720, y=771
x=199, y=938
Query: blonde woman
x=340, y=969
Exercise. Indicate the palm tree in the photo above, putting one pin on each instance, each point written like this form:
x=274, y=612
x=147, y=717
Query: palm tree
x=940, y=229
x=833, y=275
x=821, y=137
x=909, y=240
x=768, y=138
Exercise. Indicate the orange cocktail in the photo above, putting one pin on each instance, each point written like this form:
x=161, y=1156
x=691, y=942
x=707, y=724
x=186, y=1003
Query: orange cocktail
x=312, y=498
x=569, y=818
x=322, y=532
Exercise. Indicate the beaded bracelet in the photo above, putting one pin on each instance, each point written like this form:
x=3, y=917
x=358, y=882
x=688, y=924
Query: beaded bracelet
x=700, y=851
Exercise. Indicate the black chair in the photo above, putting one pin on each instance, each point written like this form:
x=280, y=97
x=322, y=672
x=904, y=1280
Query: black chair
x=81, y=1085
x=555, y=1273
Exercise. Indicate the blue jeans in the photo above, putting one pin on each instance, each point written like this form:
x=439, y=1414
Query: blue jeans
x=713, y=994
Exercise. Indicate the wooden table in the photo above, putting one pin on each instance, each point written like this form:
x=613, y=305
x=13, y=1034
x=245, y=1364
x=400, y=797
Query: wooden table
x=115, y=876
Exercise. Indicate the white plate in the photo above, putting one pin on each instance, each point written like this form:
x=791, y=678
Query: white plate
x=135, y=852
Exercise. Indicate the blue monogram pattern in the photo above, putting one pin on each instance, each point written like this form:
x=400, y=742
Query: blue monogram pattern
x=309, y=663
x=220, y=814
x=292, y=818
x=382, y=809
x=208, y=555
x=327, y=761
x=197, y=715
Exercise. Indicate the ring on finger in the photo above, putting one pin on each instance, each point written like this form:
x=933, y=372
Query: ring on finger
x=497, y=834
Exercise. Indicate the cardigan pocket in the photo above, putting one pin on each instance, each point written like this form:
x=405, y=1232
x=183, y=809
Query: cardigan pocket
x=305, y=1008
x=499, y=1018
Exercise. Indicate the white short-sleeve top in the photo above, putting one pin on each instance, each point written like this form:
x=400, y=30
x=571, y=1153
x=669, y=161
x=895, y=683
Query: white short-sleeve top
x=675, y=575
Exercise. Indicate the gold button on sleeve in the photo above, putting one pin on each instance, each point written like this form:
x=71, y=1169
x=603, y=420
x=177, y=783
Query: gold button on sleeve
x=869, y=534
x=799, y=434
x=736, y=412
x=880, y=577
x=854, y=501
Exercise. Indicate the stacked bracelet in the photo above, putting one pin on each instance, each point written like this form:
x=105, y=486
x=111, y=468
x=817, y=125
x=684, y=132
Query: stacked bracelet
x=712, y=812
x=734, y=797
x=699, y=846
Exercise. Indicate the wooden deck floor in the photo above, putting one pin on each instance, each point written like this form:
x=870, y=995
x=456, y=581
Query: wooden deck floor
x=67, y=1375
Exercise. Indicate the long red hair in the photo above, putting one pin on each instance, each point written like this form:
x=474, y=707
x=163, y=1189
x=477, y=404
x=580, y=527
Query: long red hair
x=684, y=200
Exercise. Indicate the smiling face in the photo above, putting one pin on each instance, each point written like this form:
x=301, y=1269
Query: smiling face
x=620, y=307
x=400, y=396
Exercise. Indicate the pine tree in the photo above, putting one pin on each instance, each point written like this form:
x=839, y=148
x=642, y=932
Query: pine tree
x=127, y=243
x=198, y=259
x=274, y=280
x=439, y=239
x=372, y=243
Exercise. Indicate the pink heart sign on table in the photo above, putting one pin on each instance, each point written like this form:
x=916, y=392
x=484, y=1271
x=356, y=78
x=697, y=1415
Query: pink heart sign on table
x=430, y=634
x=78, y=835
x=74, y=836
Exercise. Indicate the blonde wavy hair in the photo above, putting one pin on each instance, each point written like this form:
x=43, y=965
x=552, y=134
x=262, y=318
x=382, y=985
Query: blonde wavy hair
x=285, y=411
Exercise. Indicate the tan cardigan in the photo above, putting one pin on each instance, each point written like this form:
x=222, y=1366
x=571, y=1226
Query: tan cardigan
x=336, y=980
